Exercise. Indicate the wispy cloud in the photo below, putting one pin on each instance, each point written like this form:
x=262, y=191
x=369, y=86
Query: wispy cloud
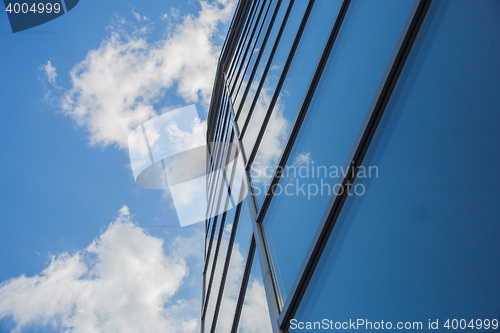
x=122, y=282
x=116, y=87
x=50, y=72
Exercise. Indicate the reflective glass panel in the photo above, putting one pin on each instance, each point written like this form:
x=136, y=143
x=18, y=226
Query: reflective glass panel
x=208, y=235
x=255, y=316
x=273, y=75
x=238, y=92
x=236, y=269
x=250, y=44
x=242, y=42
x=219, y=268
x=423, y=241
x=348, y=84
x=292, y=93
x=211, y=254
x=252, y=89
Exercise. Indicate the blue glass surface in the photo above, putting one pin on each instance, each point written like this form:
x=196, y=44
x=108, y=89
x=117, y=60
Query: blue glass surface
x=255, y=316
x=236, y=269
x=244, y=40
x=218, y=268
x=223, y=136
x=252, y=39
x=219, y=204
x=216, y=199
x=423, y=242
x=245, y=107
x=222, y=125
x=292, y=93
x=238, y=92
x=348, y=84
x=211, y=254
x=272, y=77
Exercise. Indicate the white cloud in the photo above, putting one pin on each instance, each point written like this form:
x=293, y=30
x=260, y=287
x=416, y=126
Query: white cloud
x=50, y=72
x=302, y=159
x=122, y=282
x=115, y=88
x=138, y=16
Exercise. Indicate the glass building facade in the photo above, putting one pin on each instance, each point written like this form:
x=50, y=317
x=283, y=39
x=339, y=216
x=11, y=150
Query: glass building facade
x=361, y=141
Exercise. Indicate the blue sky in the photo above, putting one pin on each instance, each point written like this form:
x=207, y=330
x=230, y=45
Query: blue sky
x=71, y=90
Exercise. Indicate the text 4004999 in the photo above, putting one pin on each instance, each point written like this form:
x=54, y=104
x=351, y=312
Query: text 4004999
x=35, y=8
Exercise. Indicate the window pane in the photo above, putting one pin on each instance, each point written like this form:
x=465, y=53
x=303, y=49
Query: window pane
x=255, y=316
x=208, y=235
x=352, y=74
x=255, y=52
x=424, y=239
x=292, y=94
x=252, y=39
x=236, y=269
x=262, y=63
x=271, y=80
x=246, y=42
x=219, y=268
x=236, y=56
x=211, y=254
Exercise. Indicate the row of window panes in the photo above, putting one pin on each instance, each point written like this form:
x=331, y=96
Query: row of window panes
x=222, y=138
x=348, y=84
x=236, y=267
x=227, y=175
x=250, y=49
x=251, y=89
x=423, y=240
x=291, y=97
x=247, y=77
x=225, y=229
x=270, y=79
x=242, y=39
x=247, y=43
x=219, y=123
